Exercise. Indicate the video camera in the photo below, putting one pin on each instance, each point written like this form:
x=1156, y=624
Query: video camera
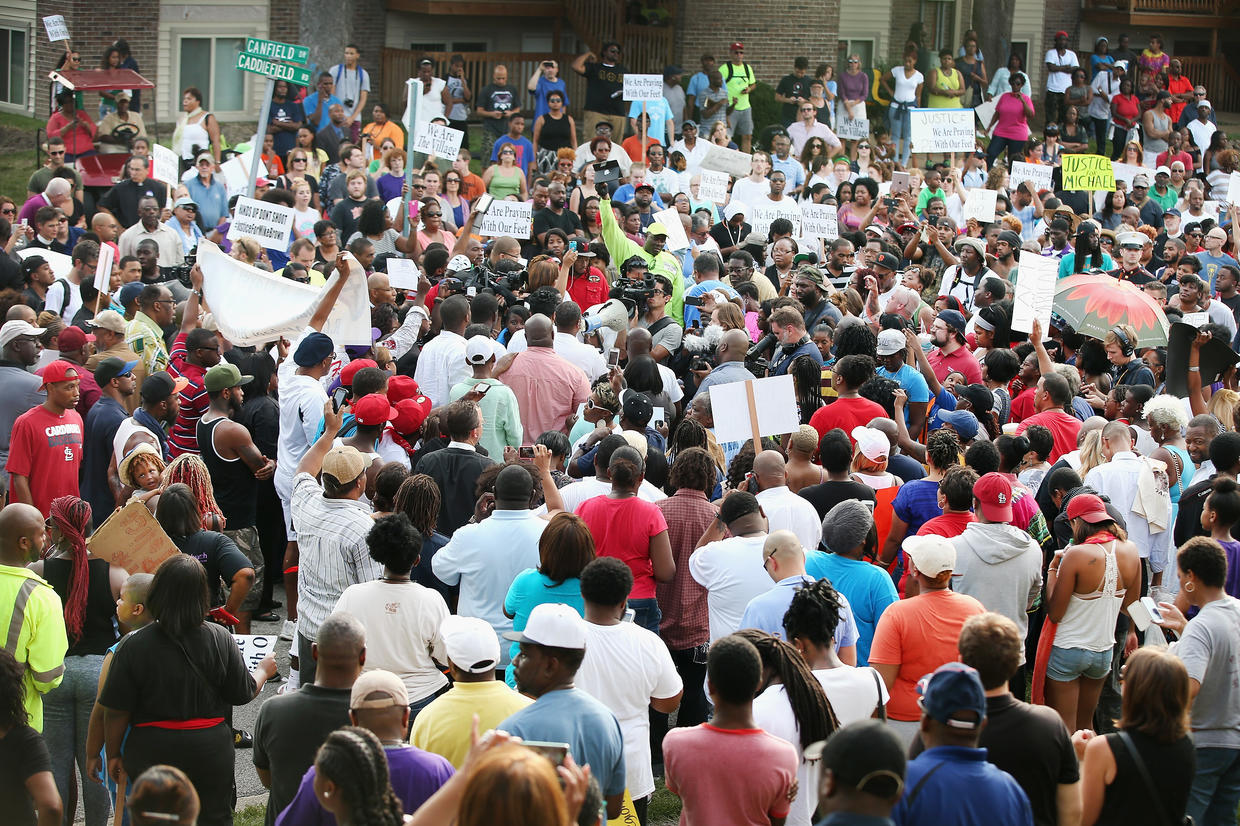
x=181, y=271
x=634, y=292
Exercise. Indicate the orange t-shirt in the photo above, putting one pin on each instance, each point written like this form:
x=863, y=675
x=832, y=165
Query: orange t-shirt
x=919, y=634
x=472, y=187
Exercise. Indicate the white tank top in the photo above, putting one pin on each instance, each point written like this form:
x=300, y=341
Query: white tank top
x=1089, y=622
x=906, y=87
x=195, y=134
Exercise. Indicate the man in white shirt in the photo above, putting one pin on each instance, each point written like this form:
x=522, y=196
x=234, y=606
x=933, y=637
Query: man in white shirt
x=352, y=87
x=691, y=147
x=1060, y=61
x=430, y=94
x=484, y=558
x=731, y=570
x=784, y=509
x=626, y=667
x=638, y=342
x=1201, y=128
x=567, y=318
x=442, y=361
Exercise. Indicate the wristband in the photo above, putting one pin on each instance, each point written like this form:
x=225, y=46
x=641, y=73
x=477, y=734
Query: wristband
x=291, y=570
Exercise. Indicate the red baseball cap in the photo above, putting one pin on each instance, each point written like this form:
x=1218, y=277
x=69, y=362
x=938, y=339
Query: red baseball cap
x=994, y=492
x=410, y=414
x=373, y=409
x=350, y=370
x=73, y=338
x=59, y=370
x=1089, y=507
x=400, y=388
x=737, y=47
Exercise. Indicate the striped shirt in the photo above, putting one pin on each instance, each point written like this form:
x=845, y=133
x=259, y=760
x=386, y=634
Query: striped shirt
x=184, y=434
x=331, y=536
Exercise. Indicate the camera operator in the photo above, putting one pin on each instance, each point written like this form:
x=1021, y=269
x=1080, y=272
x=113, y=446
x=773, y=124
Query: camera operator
x=665, y=333
x=147, y=254
x=788, y=325
x=809, y=287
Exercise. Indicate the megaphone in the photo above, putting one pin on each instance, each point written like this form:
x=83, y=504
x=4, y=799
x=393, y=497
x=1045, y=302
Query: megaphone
x=611, y=314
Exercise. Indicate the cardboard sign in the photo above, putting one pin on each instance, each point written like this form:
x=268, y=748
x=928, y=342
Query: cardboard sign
x=1035, y=291
x=1089, y=172
x=773, y=399
x=761, y=216
x=103, y=270
x=1196, y=319
x=440, y=141
x=714, y=186
x=981, y=205
x=643, y=87
x=942, y=130
x=131, y=539
x=403, y=273
x=60, y=263
x=270, y=224
x=852, y=129
x=255, y=648
x=165, y=166
x=507, y=218
x=676, y=238
x=1233, y=189
x=819, y=221
x=732, y=161
x=236, y=172
x=56, y=28
x=1127, y=171
x=1039, y=174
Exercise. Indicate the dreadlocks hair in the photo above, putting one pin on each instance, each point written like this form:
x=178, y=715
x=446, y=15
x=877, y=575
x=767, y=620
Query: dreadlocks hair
x=812, y=710
x=689, y=433
x=71, y=516
x=189, y=470
x=12, y=691
x=813, y=614
x=352, y=758
x=942, y=449
x=418, y=498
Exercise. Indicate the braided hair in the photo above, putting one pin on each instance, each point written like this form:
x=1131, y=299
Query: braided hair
x=419, y=499
x=353, y=759
x=189, y=470
x=12, y=691
x=71, y=516
x=812, y=710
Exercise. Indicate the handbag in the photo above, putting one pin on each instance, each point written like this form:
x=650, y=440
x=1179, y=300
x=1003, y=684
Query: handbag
x=1159, y=809
x=880, y=710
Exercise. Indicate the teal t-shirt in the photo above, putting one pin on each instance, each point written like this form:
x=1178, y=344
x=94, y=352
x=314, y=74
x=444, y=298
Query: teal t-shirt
x=529, y=589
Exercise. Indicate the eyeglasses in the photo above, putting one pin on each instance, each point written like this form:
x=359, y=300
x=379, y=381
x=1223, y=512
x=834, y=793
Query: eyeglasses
x=451, y=180
x=165, y=301
x=807, y=109
x=417, y=186
x=863, y=146
x=8, y=211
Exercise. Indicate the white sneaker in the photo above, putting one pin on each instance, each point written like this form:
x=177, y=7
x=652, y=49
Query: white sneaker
x=287, y=632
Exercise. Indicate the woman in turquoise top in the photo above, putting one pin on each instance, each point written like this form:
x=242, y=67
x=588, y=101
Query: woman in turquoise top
x=565, y=547
x=1167, y=419
x=1087, y=249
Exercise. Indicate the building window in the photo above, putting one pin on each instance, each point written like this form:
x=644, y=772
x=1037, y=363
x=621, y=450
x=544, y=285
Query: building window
x=14, y=59
x=210, y=63
x=863, y=49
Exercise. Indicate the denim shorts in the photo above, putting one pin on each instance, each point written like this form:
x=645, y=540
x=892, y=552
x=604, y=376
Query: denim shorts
x=1066, y=664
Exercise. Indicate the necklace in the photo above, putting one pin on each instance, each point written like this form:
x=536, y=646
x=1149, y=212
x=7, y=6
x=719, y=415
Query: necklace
x=395, y=580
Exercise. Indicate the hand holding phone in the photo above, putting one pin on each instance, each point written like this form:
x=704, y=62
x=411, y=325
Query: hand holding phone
x=525, y=453
x=613, y=357
x=338, y=397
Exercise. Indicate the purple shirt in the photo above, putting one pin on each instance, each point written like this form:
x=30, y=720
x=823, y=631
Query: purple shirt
x=1232, y=584
x=854, y=87
x=415, y=775
x=31, y=207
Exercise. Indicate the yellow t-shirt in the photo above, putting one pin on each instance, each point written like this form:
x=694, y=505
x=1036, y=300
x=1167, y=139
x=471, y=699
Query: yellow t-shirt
x=444, y=726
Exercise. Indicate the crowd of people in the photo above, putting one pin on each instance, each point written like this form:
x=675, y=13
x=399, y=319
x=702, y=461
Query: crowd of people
x=524, y=565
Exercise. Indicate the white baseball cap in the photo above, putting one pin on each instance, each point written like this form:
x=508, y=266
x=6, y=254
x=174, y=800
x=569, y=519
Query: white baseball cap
x=554, y=625
x=872, y=441
x=471, y=643
x=478, y=350
x=16, y=329
x=931, y=554
x=891, y=342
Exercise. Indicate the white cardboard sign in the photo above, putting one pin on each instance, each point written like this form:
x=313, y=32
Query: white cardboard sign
x=714, y=186
x=1035, y=291
x=507, y=218
x=403, y=273
x=761, y=216
x=643, y=87
x=1040, y=174
x=165, y=165
x=942, y=130
x=774, y=399
x=676, y=238
x=56, y=28
x=819, y=221
x=1233, y=189
x=440, y=141
x=852, y=129
x=732, y=161
x=270, y=224
x=254, y=647
x=980, y=204
x=103, y=270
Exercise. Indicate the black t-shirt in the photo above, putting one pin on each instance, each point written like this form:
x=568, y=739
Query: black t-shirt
x=791, y=86
x=826, y=495
x=122, y=199
x=218, y=554
x=23, y=754
x=567, y=220
x=1031, y=744
x=494, y=98
x=288, y=733
x=727, y=237
x=604, y=85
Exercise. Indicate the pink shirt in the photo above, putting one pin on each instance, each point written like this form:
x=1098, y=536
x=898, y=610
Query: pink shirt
x=1011, y=111
x=548, y=390
x=703, y=763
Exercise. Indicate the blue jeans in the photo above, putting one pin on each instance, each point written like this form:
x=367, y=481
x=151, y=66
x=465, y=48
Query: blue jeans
x=647, y=613
x=1215, y=795
x=66, y=716
x=901, y=131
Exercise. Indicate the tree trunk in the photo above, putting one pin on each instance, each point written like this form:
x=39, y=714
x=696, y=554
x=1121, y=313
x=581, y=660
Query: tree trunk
x=992, y=20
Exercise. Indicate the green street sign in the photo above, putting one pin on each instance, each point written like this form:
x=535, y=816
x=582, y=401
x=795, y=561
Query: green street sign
x=274, y=50
x=297, y=75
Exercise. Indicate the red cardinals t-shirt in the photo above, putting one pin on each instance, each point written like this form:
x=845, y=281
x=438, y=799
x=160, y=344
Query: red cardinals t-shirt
x=47, y=449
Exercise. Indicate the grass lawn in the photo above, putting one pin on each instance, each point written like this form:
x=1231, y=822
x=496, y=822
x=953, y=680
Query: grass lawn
x=17, y=158
x=250, y=816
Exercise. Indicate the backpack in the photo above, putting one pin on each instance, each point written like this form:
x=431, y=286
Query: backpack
x=64, y=305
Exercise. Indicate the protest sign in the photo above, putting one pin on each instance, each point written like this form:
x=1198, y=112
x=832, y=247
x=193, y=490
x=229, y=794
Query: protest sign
x=1233, y=189
x=236, y=172
x=762, y=215
x=1196, y=319
x=103, y=270
x=166, y=165
x=1088, y=172
x=1039, y=174
x=1209, y=209
x=714, y=186
x=643, y=87
x=131, y=539
x=60, y=263
x=270, y=224
x=1126, y=172
x=253, y=306
x=1035, y=291
x=732, y=161
x=255, y=647
x=819, y=221
x=985, y=111
x=980, y=204
x=403, y=273
x=942, y=130
x=676, y=238
x=56, y=28
x=755, y=407
x=852, y=129
x=507, y=218
x=440, y=141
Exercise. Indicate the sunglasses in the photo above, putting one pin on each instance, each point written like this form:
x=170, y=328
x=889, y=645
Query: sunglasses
x=8, y=211
x=300, y=160
x=432, y=214
x=59, y=154
x=190, y=208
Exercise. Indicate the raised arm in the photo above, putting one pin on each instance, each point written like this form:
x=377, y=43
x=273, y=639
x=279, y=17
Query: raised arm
x=333, y=293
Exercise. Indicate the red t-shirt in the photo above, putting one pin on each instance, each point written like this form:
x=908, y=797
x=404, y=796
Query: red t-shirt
x=623, y=528
x=948, y=525
x=1063, y=427
x=845, y=414
x=1178, y=86
x=1022, y=406
x=589, y=289
x=960, y=360
x=183, y=437
x=47, y=449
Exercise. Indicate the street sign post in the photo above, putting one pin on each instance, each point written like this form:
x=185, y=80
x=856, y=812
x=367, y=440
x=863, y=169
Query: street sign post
x=271, y=59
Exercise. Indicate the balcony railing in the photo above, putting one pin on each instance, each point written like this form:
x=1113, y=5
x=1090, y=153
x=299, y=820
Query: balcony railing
x=1208, y=8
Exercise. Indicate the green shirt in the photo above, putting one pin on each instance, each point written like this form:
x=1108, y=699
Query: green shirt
x=146, y=339
x=501, y=419
x=737, y=79
x=621, y=248
x=1167, y=201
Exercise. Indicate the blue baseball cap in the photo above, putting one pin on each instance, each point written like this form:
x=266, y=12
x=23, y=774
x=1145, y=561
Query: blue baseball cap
x=951, y=689
x=954, y=319
x=962, y=421
x=313, y=348
x=130, y=292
